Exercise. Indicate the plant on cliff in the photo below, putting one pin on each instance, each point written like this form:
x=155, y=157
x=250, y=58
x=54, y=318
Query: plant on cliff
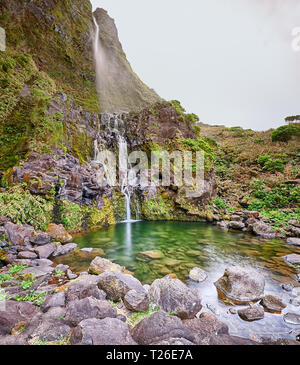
x=270, y=164
x=182, y=115
x=285, y=133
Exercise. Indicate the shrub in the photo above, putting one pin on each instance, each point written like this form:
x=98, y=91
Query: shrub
x=220, y=204
x=285, y=133
x=269, y=164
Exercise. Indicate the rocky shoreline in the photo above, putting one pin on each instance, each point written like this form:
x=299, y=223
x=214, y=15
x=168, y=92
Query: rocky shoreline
x=45, y=303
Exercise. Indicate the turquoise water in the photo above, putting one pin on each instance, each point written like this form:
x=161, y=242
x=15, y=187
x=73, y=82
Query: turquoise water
x=181, y=246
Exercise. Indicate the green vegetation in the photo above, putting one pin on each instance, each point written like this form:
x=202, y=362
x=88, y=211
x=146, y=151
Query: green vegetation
x=189, y=119
x=270, y=164
x=36, y=298
x=58, y=273
x=285, y=133
x=17, y=268
x=220, y=203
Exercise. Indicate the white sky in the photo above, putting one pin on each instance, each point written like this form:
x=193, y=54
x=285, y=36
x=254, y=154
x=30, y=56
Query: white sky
x=229, y=61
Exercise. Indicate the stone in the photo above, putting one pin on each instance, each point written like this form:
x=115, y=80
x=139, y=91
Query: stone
x=158, y=327
x=171, y=295
x=18, y=235
x=236, y=225
x=41, y=262
x=51, y=330
x=64, y=249
x=272, y=303
x=14, y=312
x=136, y=301
x=58, y=233
x=38, y=271
x=71, y=275
x=233, y=310
x=174, y=342
x=293, y=241
x=55, y=300
x=89, y=250
x=45, y=251
x=79, y=310
x=99, y=265
x=40, y=239
x=227, y=340
x=241, y=284
x=27, y=255
x=205, y=327
x=80, y=290
x=150, y=255
x=296, y=291
x=263, y=230
x=116, y=285
x=197, y=274
x=292, y=318
x=108, y=331
x=55, y=313
x=295, y=302
x=293, y=259
x=252, y=313
x=62, y=268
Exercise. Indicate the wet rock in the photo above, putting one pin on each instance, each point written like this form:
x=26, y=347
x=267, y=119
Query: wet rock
x=205, y=327
x=27, y=255
x=12, y=312
x=150, y=255
x=293, y=241
x=213, y=309
x=287, y=287
x=241, y=284
x=197, y=274
x=136, y=301
x=40, y=239
x=64, y=249
x=292, y=318
x=293, y=259
x=171, y=295
x=89, y=250
x=116, y=285
x=18, y=234
x=79, y=310
x=233, y=310
x=296, y=291
x=295, y=302
x=55, y=300
x=280, y=342
x=238, y=225
x=45, y=251
x=108, y=331
x=99, y=265
x=253, y=313
x=272, y=303
x=223, y=225
x=58, y=233
x=158, y=327
x=264, y=230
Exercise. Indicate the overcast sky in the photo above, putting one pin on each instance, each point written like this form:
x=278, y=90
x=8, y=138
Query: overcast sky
x=229, y=61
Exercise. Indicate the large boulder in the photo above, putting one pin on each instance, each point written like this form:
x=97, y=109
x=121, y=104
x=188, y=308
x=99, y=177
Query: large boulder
x=64, y=249
x=206, y=327
x=241, y=284
x=236, y=225
x=108, y=331
x=171, y=295
x=99, y=265
x=263, y=230
x=116, y=285
x=40, y=239
x=158, y=327
x=58, y=233
x=82, y=289
x=90, y=307
x=18, y=235
x=27, y=255
x=136, y=301
x=51, y=330
x=55, y=300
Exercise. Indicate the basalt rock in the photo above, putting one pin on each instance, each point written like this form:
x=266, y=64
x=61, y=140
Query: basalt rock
x=18, y=234
x=272, y=303
x=99, y=265
x=253, y=313
x=64, y=249
x=58, y=233
x=136, y=301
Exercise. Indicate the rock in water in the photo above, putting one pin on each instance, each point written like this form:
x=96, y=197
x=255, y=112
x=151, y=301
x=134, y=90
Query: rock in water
x=158, y=327
x=292, y=318
x=150, y=255
x=136, y=301
x=173, y=296
x=197, y=274
x=64, y=249
x=116, y=285
x=241, y=284
x=292, y=259
x=253, y=313
x=99, y=265
x=293, y=241
x=108, y=331
x=272, y=303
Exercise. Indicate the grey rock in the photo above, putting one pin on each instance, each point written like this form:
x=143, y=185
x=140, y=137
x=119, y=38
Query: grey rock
x=40, y=239
x=41, y=262
x=197, y=274
x=171, y=295
x=293, y=259
x=81, y=290
x=263, y=230
x=158, y=327
x=252, y=313
x=236, y=225
x=27, y=255
x=99, y=265
x=51, y=330
x=64, y=249
x=174, y=342
x=57, y=313
x=71, y=275
x=116, y=285
x=292, y=318
x=45, y=251
x=108, y=331
x=38, y=271
x=79, y=310
x=241, y=284
x=18, y=234
x=296, y=291
x=272, y=303
x=295, y=302
x=56, y=300
x=136, y=301
x=293, y=241
x=62, y=268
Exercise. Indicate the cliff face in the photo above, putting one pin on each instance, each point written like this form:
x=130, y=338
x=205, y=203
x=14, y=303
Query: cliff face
x=120, y=88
